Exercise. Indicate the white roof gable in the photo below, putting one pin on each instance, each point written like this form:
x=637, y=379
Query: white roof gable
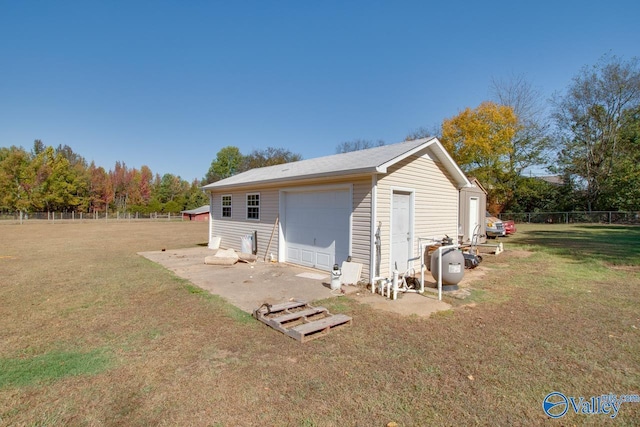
x=369, y=161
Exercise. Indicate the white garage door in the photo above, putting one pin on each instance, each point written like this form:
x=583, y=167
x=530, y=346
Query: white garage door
x=316, y=228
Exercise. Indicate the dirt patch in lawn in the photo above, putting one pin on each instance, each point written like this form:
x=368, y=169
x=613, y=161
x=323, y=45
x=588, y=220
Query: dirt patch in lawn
x=517, y=253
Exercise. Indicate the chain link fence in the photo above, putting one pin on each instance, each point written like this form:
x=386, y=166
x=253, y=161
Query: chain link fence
x=576, y=217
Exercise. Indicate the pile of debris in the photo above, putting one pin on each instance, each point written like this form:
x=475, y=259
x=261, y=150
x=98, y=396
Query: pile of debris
x=229, y=257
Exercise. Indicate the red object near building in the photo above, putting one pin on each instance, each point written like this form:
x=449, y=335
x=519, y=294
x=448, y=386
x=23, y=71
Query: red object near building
x=197, y=214
x=509, y=226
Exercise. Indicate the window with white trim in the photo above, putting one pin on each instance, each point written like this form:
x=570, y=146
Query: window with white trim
x=253, y=206
x=226, y=206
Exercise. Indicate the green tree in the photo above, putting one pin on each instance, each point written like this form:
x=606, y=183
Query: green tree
x=38, y=147
x=621, y=190
x=590, y=118
x=534, y=195
x=172, y=193
x=196, y=196
x=227, y=163
x=77, y=179
x=268, y=157
x=58, y=184
x=41, y=165
x=16, y=179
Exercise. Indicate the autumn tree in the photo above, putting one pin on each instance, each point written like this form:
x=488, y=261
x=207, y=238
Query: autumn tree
x=480, y=141
x=120, y=178
x=145, y=186
x=58, y=179
x=100, y=190
x=591, y=116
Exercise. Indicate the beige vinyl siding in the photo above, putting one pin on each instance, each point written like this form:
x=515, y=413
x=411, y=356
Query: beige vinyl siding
x=435, y=210
x=361, y=225
x=232, y=229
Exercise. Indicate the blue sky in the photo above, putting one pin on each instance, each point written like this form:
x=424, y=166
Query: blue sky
x=168, y=83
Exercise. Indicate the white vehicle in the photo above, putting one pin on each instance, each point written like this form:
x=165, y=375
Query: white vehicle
x=494, y=227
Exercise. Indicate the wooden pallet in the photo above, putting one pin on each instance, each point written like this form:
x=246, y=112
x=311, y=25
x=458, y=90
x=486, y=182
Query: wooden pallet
x=300, y=320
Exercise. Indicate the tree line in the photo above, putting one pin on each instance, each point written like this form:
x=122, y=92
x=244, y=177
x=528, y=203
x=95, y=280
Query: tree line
x=588, y=137
x=60, y=180
x=589, y=140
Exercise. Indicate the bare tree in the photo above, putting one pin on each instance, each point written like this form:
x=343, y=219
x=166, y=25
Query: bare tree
x=531, y=142
x=590, y=116
x=357, y=144
x=423, y=132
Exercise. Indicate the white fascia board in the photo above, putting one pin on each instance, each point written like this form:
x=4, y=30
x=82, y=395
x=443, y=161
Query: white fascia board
x=292, y=180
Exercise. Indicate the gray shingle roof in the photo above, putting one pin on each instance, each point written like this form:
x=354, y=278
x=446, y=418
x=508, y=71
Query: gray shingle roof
x=196, y=211
x=371, y=160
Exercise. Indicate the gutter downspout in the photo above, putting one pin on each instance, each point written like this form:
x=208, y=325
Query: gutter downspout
x=373, y=273
x=210, y=218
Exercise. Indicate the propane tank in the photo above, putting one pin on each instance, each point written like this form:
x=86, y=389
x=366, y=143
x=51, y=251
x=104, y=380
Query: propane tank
x=335, y=277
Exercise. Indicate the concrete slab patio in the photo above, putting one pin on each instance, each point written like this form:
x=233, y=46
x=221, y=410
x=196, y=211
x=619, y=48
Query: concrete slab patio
x=247, y=286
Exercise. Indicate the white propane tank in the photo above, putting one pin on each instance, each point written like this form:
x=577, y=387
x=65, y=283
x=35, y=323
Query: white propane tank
x=335, y=277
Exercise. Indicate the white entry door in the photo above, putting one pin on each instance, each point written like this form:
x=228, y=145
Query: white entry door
x=400, y=230
x=316, y=228
x=474, y=216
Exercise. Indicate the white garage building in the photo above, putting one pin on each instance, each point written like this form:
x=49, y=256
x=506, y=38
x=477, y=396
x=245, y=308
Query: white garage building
x=317, y=212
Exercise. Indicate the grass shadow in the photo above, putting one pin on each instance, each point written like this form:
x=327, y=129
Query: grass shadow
x=618, y=245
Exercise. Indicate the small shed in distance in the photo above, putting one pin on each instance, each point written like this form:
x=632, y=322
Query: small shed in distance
x=197, y=214
x=471, y=213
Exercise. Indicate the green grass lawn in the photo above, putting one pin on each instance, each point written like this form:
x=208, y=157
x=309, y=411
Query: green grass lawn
x=617, y=245
x=93, y=334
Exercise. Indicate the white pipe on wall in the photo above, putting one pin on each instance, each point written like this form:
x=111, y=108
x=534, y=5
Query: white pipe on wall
x=439, y=253
x=440, y=273
x=395, y=284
